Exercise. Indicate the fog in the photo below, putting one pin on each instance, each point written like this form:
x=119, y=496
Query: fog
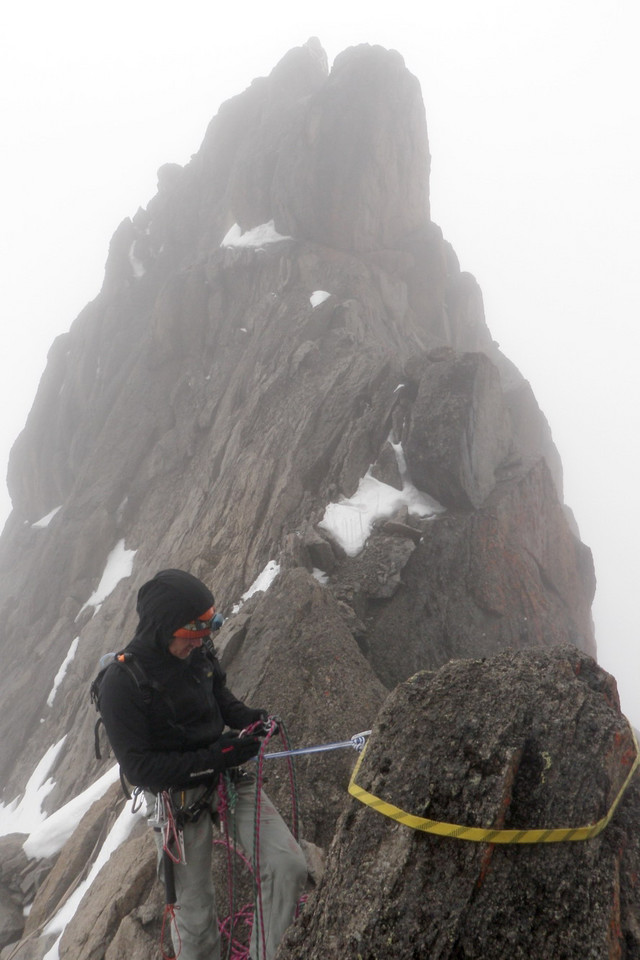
x=534, y=129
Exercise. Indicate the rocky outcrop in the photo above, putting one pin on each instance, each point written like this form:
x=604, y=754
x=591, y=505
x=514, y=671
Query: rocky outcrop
x=299, y=652
x=460, y=433
x=529, y=740
x=75, y=859
x=507, y=576
x=341, y=183
x=115, y=893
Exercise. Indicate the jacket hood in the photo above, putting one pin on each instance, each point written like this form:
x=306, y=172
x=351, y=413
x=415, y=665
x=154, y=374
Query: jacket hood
x=169, y=601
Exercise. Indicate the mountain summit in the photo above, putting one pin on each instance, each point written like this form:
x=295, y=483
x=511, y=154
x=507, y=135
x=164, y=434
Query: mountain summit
x=286, y=386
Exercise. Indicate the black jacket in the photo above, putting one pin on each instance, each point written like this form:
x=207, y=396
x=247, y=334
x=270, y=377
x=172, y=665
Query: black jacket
x=162, y=732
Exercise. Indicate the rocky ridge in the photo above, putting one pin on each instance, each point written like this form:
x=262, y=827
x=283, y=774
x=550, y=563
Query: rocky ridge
x=226, y=385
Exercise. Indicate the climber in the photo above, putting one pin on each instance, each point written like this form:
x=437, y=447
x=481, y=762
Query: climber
x=170, y=739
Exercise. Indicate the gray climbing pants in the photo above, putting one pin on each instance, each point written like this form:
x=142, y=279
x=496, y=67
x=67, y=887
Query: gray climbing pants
x=283, y=872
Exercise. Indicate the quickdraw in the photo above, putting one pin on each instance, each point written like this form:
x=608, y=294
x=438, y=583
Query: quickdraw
x=357, y=742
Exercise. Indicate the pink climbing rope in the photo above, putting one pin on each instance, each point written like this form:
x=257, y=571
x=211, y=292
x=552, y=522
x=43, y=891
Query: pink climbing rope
x=236, y=950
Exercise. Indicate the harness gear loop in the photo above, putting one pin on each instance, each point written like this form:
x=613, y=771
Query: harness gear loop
x=170, y=915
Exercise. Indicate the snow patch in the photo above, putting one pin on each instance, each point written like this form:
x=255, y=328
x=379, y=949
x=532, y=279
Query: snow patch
x=320, y=575
x=48, y=837
x=350, y=521
x=136, y=265
x=262, y=582
x=21, y=816
x=45, y=521
x=59, y=677
x=119, y=566
x=257, y=237
x=318, y=297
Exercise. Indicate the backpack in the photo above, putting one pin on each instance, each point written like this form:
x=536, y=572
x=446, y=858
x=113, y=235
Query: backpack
x=129, y=662
x=146, y=686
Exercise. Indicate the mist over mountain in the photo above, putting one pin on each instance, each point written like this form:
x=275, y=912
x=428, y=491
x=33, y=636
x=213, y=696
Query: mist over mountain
x=287, y=386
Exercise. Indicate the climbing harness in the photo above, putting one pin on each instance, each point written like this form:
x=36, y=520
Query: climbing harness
x=480, y=835
x=169, y=818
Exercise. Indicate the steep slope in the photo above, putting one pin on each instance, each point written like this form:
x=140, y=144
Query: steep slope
x=283, y=317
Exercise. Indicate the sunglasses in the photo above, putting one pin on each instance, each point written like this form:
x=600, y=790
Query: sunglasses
x=204, y=624
x=197, y=628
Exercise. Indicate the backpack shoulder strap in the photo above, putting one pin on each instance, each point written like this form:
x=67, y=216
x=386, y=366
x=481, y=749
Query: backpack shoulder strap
x=134, y=668
x=128, y=662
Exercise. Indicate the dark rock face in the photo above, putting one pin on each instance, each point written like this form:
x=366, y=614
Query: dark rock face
x=211, y=403
x=353, y=172
x=11, y=919
x=525, y=740
x=507, y=576
x=460, y=433
x=299, y=651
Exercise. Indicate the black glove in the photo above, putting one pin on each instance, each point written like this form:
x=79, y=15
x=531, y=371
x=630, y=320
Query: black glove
x=263, y=717
x=245, y=717
x=231, y=750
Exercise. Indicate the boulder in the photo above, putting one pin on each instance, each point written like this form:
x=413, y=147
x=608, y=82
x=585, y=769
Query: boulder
x=459, y=432
x=507, y=576
x=320, y=551
x=519, y=742
x=11, y=917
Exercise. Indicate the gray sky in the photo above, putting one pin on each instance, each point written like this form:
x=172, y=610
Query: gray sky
x=533, y=118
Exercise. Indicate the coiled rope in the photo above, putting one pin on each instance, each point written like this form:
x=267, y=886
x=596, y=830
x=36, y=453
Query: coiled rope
x=228, y=926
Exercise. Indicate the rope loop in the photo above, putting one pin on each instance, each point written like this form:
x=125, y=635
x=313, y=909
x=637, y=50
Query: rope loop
x=170, y=916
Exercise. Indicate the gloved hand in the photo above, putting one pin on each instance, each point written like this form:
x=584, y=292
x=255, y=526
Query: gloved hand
x=231, y=750
x=247, y=716
x=263, y=717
